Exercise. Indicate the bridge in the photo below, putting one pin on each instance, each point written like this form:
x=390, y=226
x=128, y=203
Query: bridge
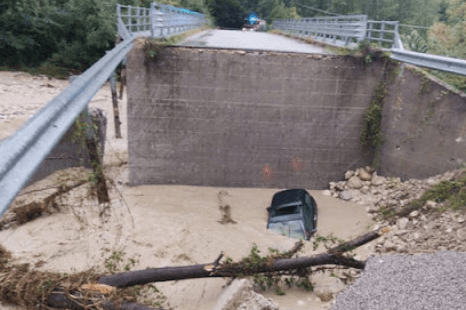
x=267, y=124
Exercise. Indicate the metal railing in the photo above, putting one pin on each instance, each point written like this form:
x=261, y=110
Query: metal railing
x=347, y=30
x=340, y=30
x=382, y=32
x=158, y=21
x=22, y=153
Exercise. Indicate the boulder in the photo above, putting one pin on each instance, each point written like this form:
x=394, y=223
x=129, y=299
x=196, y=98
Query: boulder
x=377, y=180
x=327, y=193
x=349, y=174
x=346, y=195
x=354, y=183
x=461, y=234
x=402, y=222
x=240, y=295
x=365, y=175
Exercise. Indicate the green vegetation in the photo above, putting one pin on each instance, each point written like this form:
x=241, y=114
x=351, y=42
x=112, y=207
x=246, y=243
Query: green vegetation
x=62, y=37
x=273, y=280
x=371, y=134
x=451, y=193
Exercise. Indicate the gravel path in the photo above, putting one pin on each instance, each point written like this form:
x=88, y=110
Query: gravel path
x=251, y=40
x=424, y=282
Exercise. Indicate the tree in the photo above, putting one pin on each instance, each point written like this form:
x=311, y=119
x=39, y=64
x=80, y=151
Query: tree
x=226, y=13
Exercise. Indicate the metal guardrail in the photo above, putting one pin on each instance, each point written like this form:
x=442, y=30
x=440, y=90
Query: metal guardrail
x=344, y=30
x=340, y=30
x=22, y=153
x=447, y=64
x=158, y=21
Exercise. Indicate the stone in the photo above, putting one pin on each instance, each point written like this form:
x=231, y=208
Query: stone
x=377, y=180
x=349, y=174
x=365, y=175
x=389, y=245
x=354, y=183
x=327, y=193
x=461, y=234
x=431, y=204
x=431, y=182
x=324, y=295
x=346, y=195
x=402, y=222
x=335, y=195
x=240, y=295
x=414, y=214
x=332, y=185
x=461, y=219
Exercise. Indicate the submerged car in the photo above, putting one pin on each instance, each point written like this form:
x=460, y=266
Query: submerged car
x=293, y=213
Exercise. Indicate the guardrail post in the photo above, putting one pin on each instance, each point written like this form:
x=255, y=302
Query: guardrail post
x=382, y=33
x=159, y=23
x=151, y=19
x=396, y=37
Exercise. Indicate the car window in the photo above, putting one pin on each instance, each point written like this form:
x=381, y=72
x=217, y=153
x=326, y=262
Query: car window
x=287, y=210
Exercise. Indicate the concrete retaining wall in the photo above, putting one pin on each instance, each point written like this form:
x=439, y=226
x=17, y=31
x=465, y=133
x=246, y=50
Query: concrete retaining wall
x=424, y=125
x=245, y=119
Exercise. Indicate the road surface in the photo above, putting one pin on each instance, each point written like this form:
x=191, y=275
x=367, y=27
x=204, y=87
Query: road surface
x=251, y=40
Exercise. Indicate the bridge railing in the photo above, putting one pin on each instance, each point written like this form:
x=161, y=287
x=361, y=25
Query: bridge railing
x=340, y=30
x=158, y=21
x=347, y=30
x=23, y=152
x=382, y=32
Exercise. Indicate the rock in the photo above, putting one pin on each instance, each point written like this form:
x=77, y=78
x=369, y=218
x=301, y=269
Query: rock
x=354, y=183
x=365, y=175
x=461, y=219
x=349, y=174
x=431, y=204
x=240, y=295
x=324, y=295
x=327, y=193
x=332, y=185
x=389, y=245
x=346, y=195
x=341, y=185
x=461, y=234
x=431, y=182
x=335, y=195
x=402, y=222
x=377, y=180
x=414, y=214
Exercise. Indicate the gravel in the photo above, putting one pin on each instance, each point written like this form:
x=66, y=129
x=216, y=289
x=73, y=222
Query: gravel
x=421, y=282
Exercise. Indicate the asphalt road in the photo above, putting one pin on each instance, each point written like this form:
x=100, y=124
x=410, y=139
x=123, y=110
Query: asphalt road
x=251, y=40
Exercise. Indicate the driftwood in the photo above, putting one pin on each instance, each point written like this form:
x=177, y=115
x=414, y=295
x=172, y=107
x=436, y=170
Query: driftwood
x=211, y=270
x=60, y=301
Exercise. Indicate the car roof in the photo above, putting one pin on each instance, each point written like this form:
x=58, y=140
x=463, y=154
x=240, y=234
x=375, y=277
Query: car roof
x=288, y=197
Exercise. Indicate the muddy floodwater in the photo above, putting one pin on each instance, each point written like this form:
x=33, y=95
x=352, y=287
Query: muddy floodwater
x=157, y=226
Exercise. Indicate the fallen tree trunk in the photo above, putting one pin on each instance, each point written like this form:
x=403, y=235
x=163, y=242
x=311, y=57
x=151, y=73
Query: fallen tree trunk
x=332, y=257
x=60, y=301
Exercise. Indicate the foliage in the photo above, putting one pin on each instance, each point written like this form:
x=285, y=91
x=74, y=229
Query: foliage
x=273, y=280
x=226, y=13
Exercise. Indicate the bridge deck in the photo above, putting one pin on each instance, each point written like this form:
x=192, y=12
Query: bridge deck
x=251, y=40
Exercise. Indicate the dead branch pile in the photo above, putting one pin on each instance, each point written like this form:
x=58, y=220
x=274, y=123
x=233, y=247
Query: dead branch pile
x=46, y=290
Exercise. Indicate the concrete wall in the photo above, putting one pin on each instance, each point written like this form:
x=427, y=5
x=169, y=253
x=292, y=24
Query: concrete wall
x=424, y=125
x=245, y=119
